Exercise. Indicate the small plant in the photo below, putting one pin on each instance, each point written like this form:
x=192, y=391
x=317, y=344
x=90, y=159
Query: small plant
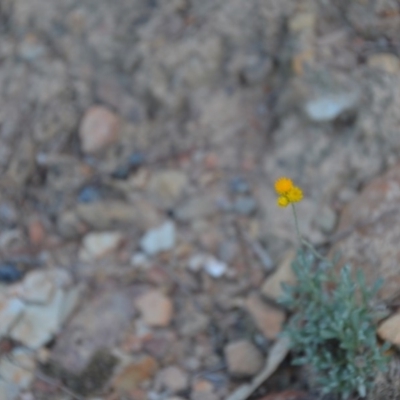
x=332, y=327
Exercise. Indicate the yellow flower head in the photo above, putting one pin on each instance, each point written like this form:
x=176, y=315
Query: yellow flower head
x=283, y=201
x=288, y=193
x=283, y=185
x=294, y=195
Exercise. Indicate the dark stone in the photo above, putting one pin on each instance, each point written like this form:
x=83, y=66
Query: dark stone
x=135, y=160
x=9, y=273
x=89, y=194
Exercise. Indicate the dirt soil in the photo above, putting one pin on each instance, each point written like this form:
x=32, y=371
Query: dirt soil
x=121, y=117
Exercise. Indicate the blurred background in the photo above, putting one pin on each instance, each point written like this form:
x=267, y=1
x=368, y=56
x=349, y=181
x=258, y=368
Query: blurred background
x=139, y=144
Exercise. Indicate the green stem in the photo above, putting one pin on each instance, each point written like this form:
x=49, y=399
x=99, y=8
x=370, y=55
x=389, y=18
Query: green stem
x=313, y=251
x=296, y=222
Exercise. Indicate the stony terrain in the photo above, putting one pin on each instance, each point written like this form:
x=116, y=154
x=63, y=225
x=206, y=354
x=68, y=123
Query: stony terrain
x=141, y=246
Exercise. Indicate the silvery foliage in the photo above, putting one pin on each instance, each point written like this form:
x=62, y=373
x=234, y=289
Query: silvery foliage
x=332, y=327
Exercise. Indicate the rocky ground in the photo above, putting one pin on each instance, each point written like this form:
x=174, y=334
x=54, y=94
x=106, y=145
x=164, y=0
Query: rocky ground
x=141, y=246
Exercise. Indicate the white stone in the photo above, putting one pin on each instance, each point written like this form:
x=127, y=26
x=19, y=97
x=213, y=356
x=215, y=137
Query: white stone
x=215, y=268
x=10, y=310
x=329, y=107
x=159, y=239
x=97, y=245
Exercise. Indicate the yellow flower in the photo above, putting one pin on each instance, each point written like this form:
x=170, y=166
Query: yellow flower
x=287, y=192
x=283, y=185
x=283, y=201
x=294, y=195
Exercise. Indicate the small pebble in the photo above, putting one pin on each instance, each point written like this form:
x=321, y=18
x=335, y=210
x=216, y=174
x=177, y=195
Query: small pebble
x=139, y=260
x=121, y=172
x=135, y=160
x=215, y=268
x=239, y=185
x=89, y=194
x=9, y=273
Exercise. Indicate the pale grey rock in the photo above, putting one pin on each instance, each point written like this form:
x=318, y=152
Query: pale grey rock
x=159, y=239
x=97, y=245
x=329, y=107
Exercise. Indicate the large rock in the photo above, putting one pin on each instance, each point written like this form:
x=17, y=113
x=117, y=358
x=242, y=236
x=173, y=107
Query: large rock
x=39, y=323
x=49, y=298
x=370, y=227
x=100, y=323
